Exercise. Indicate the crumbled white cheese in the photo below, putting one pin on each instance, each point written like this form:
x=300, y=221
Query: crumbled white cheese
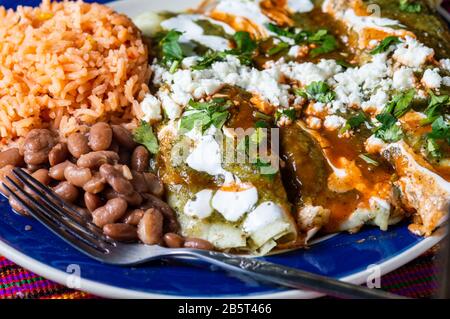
x=446, y=81
x=445, y=64
x=306, y=73
x=333, y=122
x=431, y=79
x=314, y=122
x=206, y=156
x=354, y=84
x=234, y=204
x=376, y=103
x=300, y=5
x=185, y=23
x=151, y=107
x=403, y=79
x=186, y=84
x=293, y=51
x=200, y=206
x=374, y=145
x=412, y=53
x=171, y=109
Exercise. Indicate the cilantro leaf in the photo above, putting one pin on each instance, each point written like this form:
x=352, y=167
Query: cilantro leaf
x=244, y=42
x=278, y=48
x=144, y=135
x=289, y=113
x=410, y=6
x=403, y=103
x=319, y=91
x=433, y=148
x=440, y=131
x=385, y=44
x=435, y=107
x=208, y=59
x=171, y=49
x=288, y=32
x=354, y=122
x=205, y=114
x=389, y=131
x=245, y=46
x=327, y=43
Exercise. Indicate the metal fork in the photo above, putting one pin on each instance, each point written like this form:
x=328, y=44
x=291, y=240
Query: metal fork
x=66, y=222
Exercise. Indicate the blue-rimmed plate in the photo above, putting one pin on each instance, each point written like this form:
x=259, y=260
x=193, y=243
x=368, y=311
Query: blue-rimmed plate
x=354, y=258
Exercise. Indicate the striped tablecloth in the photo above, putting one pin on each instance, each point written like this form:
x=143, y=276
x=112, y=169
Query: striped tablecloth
x=418, y=279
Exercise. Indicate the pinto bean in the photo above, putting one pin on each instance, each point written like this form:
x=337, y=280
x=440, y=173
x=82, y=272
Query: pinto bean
x=133, y=217
x=198, y=243
x=133, y=199
x=100, y=136
x=123, y=137
x=116, y=179
x=92, y=201
x=140, y=160
x=77, y=176
x=147, y=183
x=96, y=159
x=152, y=201
x=58, y=154
x=37, y=145
x=95, y=185
x=121, y=232
x=67, y=192
x=57, y=171
x=150, y=227
x=17, y=207
x=110, y=213
x=173, y=240
x=7, y=171
x=42, y=176
x=78, y=145
x=11, y=157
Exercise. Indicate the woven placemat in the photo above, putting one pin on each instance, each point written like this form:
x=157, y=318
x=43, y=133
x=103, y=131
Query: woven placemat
x=418, y=279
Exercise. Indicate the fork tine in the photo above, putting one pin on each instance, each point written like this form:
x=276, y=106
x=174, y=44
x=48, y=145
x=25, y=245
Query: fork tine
x=56, y=224
x=66, y=210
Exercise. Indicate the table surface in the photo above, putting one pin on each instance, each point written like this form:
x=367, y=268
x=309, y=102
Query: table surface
x=417, y=279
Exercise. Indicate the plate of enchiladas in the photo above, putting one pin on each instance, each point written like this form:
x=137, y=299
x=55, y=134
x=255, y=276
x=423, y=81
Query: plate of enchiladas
x=310, y=133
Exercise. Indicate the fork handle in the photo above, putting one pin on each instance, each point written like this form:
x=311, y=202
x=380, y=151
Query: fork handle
x=286, y=276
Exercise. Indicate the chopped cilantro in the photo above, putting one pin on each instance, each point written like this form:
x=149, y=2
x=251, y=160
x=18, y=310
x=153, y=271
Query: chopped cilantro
x=318, y=91
x=171, y=49
x=205, y=114
x=354, y=122
x=289, y=113
x=325, y=42
x=278, y=48
x=144, y=135
x=410, y=6
x=245, y=46
x=385, y=44
x=389, y=131
x=435, y=107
